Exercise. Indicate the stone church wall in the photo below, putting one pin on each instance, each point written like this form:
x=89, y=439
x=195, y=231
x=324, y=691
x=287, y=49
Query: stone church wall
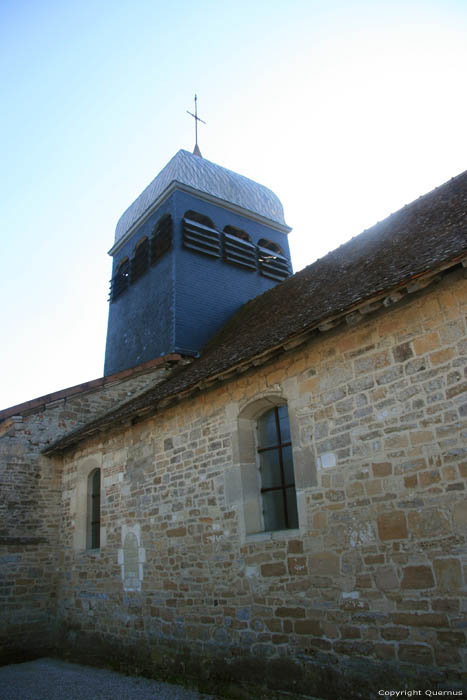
x=30, y=488
x=368, y=592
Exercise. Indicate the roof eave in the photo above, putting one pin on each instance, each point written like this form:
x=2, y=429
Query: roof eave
x=351, y=315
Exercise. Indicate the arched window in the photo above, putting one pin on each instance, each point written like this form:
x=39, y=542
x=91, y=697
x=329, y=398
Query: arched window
x=94, y=510
x=279, y=501
x=140, y=262
x=161, y=241
x=120, y=280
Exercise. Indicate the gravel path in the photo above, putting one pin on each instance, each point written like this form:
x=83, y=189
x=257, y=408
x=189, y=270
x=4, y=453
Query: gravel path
x=50, y=679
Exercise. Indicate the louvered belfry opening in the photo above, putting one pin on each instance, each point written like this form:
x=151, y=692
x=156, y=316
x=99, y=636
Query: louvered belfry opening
x=272, y=262
x=234, y=246
x=162, y=236
x=120, y=281
x=200, y=235
x=140, y=261
x=238, y=248
x=147, y=252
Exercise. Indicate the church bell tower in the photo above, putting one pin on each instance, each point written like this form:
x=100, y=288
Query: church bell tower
x=199, y=242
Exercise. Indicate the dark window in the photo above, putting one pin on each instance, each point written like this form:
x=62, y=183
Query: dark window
x=161, y=241
x=272, y=261
x=94, y=509
x=140, y=262
x=200, y=235
x=238, y=248
x=119, y=283
x=278, y=495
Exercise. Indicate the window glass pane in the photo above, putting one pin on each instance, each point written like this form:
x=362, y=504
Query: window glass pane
x=288, y=465
x=270, y=469
x=273, y=511
x=292, y=513
x=95, y=509
x=267, y=433
x=284, y=423
x=96, y=482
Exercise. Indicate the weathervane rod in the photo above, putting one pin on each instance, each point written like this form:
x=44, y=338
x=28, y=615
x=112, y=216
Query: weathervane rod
x=197, y=119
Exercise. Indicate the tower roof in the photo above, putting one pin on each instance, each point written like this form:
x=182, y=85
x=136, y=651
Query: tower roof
x=191, y=171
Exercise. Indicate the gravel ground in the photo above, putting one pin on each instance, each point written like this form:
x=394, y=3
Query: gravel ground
x=50, y=679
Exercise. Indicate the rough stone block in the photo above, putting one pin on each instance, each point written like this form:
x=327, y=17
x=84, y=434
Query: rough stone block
x=429, y=522
x=384, y=651
x=394, y=633
x=311, y=627
x=459, y=515
x=297, y=566
x=420, y=619
x=370, y=363
x=392, y=525
x=417, y=577
x=402, y=352
x=426, y=343
x=448, y=574
x=429, y=477
x=324, y=564
x=386, y=578
x=274, y=569
x=415, y=654
x=382, y=468
x=290, y=612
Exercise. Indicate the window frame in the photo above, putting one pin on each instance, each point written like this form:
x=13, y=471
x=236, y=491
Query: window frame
x=278, y=447
x=242, y=483
x=93, y=524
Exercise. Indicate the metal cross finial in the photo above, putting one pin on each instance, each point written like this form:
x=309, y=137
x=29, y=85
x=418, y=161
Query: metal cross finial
x=197, y=119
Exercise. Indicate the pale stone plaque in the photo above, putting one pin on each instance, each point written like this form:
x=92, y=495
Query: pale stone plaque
x=130, y=562
x=131, y=558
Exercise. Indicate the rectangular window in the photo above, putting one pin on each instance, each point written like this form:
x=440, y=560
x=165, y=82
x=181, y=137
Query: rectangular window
x=279, y=501
x=94, y=509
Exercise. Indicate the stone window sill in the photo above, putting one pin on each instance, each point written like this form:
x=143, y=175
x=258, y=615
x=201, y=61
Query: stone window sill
x=273, y=535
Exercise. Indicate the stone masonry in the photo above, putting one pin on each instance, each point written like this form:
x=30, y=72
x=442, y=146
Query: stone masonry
x=30, y=493
x=368, y=592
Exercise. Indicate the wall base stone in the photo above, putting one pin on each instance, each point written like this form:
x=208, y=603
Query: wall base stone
x=215, y=667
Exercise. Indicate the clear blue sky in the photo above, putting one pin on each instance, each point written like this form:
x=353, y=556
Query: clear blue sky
x=347, y=110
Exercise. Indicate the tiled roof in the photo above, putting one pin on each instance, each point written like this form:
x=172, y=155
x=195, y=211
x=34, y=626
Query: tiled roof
x=204, y=176
x=421, y=237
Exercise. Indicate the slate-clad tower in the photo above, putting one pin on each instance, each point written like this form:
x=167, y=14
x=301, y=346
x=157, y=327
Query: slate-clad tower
x=198, y=243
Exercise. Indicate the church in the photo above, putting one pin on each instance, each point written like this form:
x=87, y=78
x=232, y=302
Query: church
x=267, y=486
